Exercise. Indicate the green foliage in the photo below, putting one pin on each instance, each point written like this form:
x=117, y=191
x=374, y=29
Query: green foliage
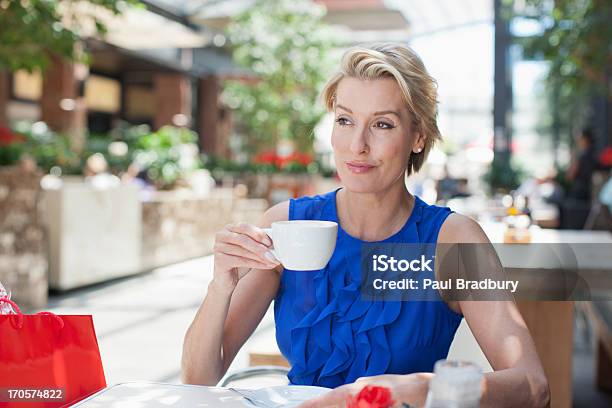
x=264, y=163
x=503, y=176
x=222, y=164
x=289, y=49
x=48, y=148
x=576, y=43
x=33, y=30
x=167, y=155
x=576, y=40
x=10, y=154
x=124, y=135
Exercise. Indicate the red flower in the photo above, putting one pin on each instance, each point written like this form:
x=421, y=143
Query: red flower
x=371, y=396
x=268, y=157
x=605, y=158
x=303, y=159
x=7, y=137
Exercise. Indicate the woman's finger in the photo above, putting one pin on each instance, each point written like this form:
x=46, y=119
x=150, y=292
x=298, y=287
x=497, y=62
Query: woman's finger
x=242, y=262
x=242, y=240
x=256, y=233
x=235, y=250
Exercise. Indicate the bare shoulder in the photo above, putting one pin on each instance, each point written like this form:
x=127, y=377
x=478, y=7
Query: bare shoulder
x=458, y=228
x=278, y=212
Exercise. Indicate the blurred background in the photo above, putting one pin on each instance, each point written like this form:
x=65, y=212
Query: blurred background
x=131, y=131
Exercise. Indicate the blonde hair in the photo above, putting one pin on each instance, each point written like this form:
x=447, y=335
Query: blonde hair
x=419, y=89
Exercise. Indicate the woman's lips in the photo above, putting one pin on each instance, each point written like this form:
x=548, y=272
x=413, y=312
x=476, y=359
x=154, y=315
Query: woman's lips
x=359, y=168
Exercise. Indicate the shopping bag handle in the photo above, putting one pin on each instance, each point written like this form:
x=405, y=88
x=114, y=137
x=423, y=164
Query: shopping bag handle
x=20, y=315
x=57, y=318
x=10, y=302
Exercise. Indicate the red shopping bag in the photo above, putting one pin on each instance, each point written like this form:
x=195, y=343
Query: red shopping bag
x=43, y=353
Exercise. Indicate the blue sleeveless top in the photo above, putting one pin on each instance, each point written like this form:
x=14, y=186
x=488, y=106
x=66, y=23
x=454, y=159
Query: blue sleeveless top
x=331, y=336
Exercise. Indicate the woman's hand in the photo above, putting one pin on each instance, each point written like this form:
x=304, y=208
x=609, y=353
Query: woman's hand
x=237, y=249
x=408, y=389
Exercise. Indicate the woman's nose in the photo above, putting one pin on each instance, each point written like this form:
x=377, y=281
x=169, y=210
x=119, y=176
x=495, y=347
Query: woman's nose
x=359, y=142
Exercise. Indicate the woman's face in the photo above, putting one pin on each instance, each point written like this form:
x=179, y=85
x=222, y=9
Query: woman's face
x=372, y=136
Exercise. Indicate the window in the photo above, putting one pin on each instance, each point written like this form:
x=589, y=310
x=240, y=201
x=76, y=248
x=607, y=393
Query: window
x=27, y=86
x=103, y=94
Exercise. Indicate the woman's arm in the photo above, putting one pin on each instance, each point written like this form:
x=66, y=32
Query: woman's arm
x=501, y=332
x=234, y=305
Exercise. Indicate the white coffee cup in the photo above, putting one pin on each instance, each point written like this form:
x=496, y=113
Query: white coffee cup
x=303, y=245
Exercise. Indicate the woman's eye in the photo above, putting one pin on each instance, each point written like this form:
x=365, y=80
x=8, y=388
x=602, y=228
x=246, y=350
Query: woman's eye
x=342, y=121
x=383, y=125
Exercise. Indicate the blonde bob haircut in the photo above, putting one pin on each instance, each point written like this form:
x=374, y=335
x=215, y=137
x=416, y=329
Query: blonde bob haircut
x=419, y=89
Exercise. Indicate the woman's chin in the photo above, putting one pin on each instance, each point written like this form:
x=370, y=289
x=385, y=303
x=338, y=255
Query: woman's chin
x=360, y=186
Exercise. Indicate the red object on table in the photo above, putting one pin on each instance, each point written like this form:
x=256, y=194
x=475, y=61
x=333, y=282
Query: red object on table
x=48, y=351
x=371, y=396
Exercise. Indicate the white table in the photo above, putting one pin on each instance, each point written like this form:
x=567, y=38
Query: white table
x=160, y=395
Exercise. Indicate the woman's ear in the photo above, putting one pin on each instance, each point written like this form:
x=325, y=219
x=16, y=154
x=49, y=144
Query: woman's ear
x=419, y=143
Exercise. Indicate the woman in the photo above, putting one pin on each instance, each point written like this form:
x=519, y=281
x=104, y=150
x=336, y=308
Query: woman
x=385, y=124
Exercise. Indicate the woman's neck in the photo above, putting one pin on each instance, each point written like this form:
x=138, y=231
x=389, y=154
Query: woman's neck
x=374, y=216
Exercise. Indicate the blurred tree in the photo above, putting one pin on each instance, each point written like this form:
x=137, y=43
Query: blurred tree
x=289, y=48
x=502, y=177
x=33, y=30
x=576, y=40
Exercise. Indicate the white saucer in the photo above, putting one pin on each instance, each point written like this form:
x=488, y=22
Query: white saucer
x=283, y=395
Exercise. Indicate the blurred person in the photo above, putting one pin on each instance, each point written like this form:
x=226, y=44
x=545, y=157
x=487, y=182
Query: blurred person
x=582, y=167
x=137, y=176
x=385, y=107
x=95, y=164
x=574, y=208
x=96, y=172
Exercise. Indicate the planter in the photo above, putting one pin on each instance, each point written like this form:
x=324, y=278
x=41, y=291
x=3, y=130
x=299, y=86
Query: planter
x=94, y=233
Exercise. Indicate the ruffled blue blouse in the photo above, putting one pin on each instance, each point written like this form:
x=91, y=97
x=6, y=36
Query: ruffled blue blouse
x=327, y=331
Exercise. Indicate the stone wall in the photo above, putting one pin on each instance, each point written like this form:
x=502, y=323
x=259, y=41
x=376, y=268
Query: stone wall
x=177, y=227
x=23, y=260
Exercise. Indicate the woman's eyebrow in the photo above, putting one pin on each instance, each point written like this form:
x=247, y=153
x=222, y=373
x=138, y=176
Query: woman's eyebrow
x=344, y=108
x=385, y=112
x=375, y=113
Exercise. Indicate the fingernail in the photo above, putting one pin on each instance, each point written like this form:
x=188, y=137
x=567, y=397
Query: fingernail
x=267, y=241
x=270, y=256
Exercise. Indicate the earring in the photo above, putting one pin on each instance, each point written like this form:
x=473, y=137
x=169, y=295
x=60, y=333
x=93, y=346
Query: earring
x=418, y=150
